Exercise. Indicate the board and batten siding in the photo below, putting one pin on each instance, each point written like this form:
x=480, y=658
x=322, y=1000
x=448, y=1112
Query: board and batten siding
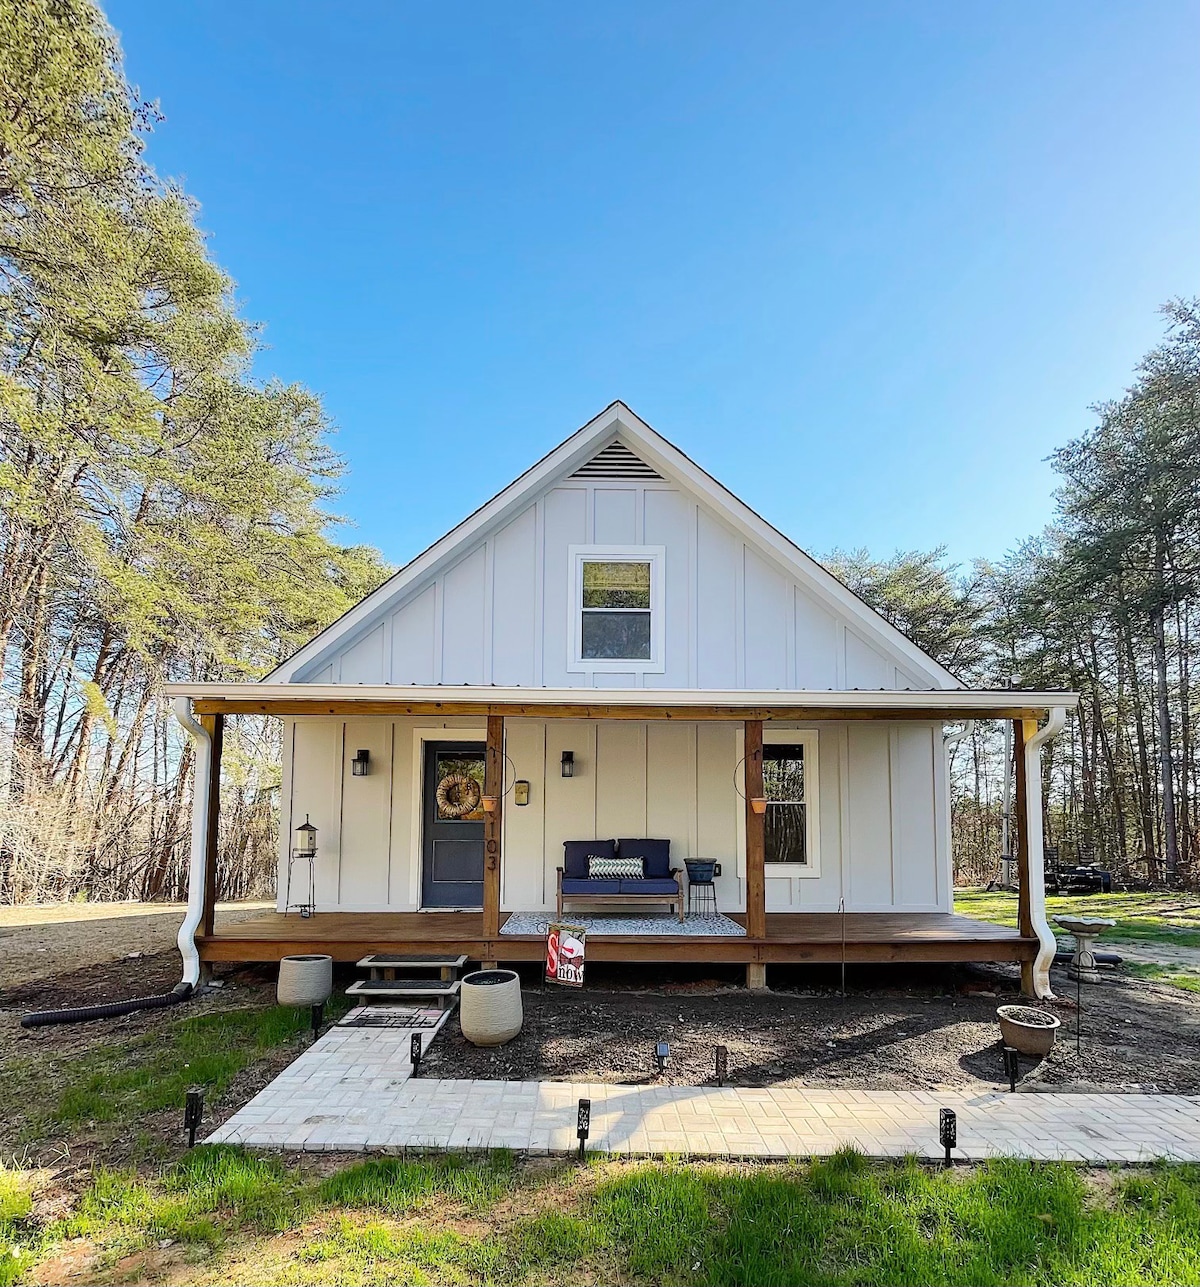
x=501, y=612
x=883, y=842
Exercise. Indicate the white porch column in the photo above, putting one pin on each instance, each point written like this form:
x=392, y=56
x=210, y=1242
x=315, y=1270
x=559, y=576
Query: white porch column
x=198, y=867
x=1036, y=873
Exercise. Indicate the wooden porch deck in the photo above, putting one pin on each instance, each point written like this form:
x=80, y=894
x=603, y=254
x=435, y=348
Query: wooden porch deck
x=797, y=937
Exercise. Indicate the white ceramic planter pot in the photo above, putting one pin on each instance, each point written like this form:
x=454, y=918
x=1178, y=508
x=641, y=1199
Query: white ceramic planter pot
x=305, y=980
x=489, y=1007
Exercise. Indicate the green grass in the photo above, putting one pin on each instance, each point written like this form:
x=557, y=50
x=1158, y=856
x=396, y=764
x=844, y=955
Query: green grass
x=115, y=1085
x=1144, y=918
x=398, y=1185
x=1173, y=975
x=16, y=1204
x=249, y=1220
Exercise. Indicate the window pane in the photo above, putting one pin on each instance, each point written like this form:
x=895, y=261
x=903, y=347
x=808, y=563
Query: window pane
x=784, y=829
x=618, y=636
x=616, y=585
x=783, y=772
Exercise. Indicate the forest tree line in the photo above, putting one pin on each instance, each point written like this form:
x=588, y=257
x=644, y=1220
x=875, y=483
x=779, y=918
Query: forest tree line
x=163, y=516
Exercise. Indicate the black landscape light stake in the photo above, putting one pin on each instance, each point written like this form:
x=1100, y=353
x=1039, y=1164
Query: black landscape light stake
x=722, y=1064
x=416, y=1053
x=947, y=1130
x=1078, y=1009
x=662, y=1052
x=318, y=1017
x=1012, y=1066
x=583, y=1125
x=193, y=1111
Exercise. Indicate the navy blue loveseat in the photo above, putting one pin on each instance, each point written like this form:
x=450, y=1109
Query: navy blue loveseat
x=659, y=883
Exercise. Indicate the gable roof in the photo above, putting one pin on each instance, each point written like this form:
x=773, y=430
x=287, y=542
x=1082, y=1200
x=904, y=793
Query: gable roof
x=619, y=440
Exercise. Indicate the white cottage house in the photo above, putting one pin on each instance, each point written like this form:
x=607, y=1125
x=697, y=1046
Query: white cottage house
x=616, y=651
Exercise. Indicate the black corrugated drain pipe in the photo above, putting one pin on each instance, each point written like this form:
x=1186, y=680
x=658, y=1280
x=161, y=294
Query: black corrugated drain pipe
x=108, y=1010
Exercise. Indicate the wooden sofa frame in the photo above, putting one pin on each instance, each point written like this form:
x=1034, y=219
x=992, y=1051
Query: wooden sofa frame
x=626, y=900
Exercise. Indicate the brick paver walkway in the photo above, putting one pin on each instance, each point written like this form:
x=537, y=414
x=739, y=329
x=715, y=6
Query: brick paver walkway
x=354, y=1090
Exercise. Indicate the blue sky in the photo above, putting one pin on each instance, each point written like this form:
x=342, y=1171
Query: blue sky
x=866, y=263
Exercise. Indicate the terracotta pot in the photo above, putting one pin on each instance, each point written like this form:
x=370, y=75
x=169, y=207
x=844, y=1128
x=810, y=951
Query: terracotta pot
x=305, y=980
x=1026, y=1033
x=489, y=1007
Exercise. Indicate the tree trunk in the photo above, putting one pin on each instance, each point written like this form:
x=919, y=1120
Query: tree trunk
x=1163, y=703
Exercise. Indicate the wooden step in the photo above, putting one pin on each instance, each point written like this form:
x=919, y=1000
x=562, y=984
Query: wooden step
x=441, y=990
x=392, y=960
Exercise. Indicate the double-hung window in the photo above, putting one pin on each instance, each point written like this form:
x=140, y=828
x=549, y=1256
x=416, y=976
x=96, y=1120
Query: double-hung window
x=616, y=596
x=790, y=786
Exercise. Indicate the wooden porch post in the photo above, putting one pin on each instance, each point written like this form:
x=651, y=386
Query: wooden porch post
x=214, y=725
x=756, y=883
x=493, y=785
x=1022, y=729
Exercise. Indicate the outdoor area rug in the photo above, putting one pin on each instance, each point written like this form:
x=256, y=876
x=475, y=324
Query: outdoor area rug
x=627, y=923
x=391, y=1016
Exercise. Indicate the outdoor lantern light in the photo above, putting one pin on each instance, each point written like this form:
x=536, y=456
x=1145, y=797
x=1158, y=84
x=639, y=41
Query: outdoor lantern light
x=193, y=1111
x=306, y=839
x=360, y=765
x=662, y=1052
x=947, y=1130
x=722, y=1064
x=568, y=764
x=416, y=1053
x=1012, y=1066
x=521, y=792
x=583, y=1125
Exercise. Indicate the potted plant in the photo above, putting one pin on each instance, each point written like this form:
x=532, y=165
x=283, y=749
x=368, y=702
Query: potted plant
x=489, y=1007
x=1030, y=1031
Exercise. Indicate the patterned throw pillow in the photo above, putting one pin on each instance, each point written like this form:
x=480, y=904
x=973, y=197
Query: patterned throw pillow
x=614, y=868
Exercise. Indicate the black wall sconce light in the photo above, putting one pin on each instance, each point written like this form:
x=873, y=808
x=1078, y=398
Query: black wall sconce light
x=360, y=765
x=521, y=792
x=568, y=764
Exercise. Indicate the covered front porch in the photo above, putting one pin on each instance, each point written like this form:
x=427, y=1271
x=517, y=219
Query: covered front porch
x=883, y=800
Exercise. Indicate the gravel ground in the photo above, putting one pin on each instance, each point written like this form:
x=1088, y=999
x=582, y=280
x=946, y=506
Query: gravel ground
x=40, y=941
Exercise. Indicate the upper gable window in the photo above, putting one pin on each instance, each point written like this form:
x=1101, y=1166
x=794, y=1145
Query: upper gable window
x=616, y=597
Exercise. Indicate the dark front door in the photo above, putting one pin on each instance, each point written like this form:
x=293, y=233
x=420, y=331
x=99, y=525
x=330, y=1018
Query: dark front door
x=452, y=835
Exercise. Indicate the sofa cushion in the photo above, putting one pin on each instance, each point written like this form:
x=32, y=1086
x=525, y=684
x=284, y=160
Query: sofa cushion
x=576, y=852
x=656, y=855
x=573, y=886
x=652, y=887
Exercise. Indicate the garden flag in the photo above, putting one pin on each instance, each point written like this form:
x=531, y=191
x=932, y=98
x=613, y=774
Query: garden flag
x=565, y=945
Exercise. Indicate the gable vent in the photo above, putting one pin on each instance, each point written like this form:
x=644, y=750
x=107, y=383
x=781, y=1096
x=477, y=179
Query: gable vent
x=615, y=461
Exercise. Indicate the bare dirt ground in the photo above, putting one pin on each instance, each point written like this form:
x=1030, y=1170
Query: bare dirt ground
x=914, y=1027
x=896, y=1028
x=40, y=941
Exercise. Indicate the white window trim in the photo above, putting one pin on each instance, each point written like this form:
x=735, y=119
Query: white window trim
x=577, y=556
x=809, y=739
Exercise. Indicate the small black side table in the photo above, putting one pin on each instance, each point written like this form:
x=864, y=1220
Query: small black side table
x=702, y=898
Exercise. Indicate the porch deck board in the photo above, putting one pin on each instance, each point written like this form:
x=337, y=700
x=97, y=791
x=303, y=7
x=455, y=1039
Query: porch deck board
x=801, y=937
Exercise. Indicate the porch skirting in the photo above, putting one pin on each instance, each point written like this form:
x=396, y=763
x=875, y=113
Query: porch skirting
x=629, y=923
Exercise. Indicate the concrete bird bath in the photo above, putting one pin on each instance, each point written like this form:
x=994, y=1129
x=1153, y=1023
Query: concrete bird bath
x=1086, y=929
